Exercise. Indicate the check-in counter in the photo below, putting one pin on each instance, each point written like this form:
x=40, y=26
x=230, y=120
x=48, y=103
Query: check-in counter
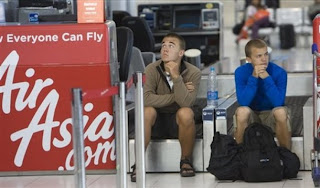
x=39, y=66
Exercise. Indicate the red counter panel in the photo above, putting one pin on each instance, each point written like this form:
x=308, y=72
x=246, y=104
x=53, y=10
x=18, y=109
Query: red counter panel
x=39, y=66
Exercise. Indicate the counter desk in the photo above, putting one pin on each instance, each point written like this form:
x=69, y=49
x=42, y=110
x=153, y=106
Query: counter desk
x=39, y=65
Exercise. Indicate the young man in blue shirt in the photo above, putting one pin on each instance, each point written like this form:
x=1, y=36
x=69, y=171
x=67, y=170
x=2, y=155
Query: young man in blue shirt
x=261, y=91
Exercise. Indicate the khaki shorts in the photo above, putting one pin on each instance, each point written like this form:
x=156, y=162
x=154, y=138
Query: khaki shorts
x=265, y=117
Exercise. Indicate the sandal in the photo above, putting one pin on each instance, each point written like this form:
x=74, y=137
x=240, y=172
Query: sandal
x=133, y=174
x=186, y=171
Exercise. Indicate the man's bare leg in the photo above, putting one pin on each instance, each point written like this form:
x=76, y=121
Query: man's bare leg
x=282, y=133
x=187, y=132
x=150, y=116
x=242, y=116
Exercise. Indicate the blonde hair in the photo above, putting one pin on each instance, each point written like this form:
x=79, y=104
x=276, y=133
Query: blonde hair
x=254, y=43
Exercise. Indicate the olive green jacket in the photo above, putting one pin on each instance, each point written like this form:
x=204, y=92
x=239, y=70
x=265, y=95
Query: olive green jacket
x=158, y=94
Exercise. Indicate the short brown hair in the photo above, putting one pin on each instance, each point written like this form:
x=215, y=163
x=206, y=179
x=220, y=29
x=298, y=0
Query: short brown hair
x=254, y=43
x=180, y=38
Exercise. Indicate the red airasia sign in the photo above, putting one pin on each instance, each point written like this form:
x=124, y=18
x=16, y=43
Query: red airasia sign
x=39, y=64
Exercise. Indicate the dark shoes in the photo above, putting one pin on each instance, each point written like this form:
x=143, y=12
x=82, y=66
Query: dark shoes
x=186, y=171
x=133, y=174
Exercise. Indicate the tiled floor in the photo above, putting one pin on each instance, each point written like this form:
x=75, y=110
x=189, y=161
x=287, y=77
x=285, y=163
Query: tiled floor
x=297, y=59
x=153, y=180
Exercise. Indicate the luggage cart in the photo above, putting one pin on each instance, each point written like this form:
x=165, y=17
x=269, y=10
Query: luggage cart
x=316, y=102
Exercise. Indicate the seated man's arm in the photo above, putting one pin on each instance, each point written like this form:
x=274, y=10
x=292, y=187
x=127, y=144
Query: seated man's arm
x=185, y=92
x=246, y=86
x=276, y=87
x=151, y=97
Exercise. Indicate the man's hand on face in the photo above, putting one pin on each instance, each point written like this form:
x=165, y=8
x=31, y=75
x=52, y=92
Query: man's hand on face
x=173, y=69
x=260, y=71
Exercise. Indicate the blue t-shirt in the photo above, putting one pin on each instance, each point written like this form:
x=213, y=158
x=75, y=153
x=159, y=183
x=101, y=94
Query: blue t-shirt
x=261, y=94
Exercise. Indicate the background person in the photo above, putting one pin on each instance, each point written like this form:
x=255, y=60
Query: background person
x=261, y=91
x=257, y=16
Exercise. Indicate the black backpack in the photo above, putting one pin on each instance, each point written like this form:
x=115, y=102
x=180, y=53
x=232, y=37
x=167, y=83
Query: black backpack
x=260, y=158
x=224, y=162
x=291, y=163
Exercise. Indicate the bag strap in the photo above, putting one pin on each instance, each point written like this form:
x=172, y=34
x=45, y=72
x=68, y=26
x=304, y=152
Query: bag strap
x=214, y=121
x=217, y=136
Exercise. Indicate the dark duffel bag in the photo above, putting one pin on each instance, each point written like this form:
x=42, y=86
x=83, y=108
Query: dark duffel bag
x=224, y=162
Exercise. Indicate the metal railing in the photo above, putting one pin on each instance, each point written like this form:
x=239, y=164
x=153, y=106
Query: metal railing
x=121, y=136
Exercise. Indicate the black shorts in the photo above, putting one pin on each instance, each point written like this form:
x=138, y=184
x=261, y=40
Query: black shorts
x=165, y=126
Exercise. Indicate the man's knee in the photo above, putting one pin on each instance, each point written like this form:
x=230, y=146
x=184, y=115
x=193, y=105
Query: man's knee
x=150, y=113
x=242, y=113
x=185, y=116
x=280, y=115
x=241, y=118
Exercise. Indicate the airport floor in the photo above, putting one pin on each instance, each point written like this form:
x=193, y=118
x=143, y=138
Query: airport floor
x=298, y=59
x=153, y=180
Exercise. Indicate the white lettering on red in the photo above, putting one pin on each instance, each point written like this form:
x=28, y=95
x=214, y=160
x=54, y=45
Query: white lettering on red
x=102, y=149
x=43, y=121
x=11, y=38
x=9, y=65
x=49, y=104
